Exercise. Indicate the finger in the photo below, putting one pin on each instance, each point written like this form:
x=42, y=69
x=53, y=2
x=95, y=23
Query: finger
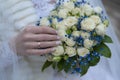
x=37, y=45
x=40, y=30
x=41, y=37
x=40, y=51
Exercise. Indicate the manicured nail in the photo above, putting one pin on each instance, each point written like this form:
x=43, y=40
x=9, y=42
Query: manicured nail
x=58, y=37
x=58, y=42
x=53, y=49
x=56, y=32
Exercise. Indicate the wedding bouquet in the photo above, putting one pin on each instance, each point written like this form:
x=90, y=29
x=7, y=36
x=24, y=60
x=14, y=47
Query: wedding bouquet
x=83, y=31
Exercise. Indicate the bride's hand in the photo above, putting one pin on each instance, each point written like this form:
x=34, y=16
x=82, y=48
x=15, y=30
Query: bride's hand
x=36, y=41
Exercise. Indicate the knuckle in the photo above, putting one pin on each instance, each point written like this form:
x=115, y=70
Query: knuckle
x=25, y=45
x=27, y=51
x=38, y=52
x=48, y=51
x=54, y=37
x=54, y=43
x=26, y=36
x=42, y=38
x=45, y=52
x=51, y=43
x=28, y=29
x=43, y=29
x=47, y=37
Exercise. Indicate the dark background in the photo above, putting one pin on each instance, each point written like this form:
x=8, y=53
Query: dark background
x=113, y=10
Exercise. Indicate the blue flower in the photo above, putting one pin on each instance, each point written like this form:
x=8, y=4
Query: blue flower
x=98, y=38
x=38, y=23
x=95, y=54
x=58, y=18
x=73, y=63
x=73, y=72
x=80, y=58
x=79, y=40
x=78, y=70
x=50, y=20
x=77, y=4
x=69, y=36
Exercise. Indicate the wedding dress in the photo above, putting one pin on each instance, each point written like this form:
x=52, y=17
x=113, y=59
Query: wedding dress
x=14, y=15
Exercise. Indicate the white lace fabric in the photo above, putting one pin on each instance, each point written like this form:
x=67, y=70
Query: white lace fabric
x=6, y=55
x=43, y=7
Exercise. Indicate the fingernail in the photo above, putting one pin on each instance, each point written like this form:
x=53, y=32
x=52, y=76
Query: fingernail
x=58, y=37
x=58, y=42
x=56, y=32
x=53, y=49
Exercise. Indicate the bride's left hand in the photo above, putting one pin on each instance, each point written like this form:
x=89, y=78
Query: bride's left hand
x=36, y=41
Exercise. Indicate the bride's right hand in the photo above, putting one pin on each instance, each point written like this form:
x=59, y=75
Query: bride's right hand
x=36, y=41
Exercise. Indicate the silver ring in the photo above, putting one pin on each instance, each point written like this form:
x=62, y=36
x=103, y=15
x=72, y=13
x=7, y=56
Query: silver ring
x=39, y=44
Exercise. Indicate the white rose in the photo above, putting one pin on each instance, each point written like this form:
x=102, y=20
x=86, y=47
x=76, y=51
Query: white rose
x=53, y=13
x=63, y=13
x=88, y=24
x=44, y=22
x=98, y=10
x=61, y=26
x=85, y=35
x=59, y=50
x=68, y=5
x=70, y=42
x=76, y=33
x=82, y=52
x=70, y=51
x=82, y=12
x=54, y=21
x=96, y=19
x=100, y=29
x=88, y=9
x=62, y=34
x=88, y=43
x=70, y=21
x=76, y=11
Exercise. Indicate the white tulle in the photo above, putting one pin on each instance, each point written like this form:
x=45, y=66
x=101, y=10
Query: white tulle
x=13, y=67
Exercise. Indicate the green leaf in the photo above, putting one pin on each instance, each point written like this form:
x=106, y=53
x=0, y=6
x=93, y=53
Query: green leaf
x=94, y=60
x=74, y=28
x=103, y=49
x=60, y=65
x=57, y=58
x=54, y=65
x=46, y=65
x=107, y=39
x=106, y=23
x=67, y=67
x=66, y=57
x=73, y=0
x=53, y=26
x=84, y=69
x=68, y=31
